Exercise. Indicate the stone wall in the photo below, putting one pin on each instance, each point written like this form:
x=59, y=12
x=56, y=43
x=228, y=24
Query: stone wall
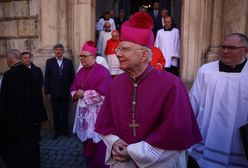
x=19, y=27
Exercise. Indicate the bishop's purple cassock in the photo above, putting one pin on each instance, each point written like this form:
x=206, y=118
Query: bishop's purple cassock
x=162, y=111
x=95, y=78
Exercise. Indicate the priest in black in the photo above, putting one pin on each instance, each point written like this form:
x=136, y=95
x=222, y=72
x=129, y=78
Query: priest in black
x=20, y=115
x=26, y=59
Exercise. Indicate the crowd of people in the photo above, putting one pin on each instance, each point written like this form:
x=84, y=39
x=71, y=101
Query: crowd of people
x=132, y=109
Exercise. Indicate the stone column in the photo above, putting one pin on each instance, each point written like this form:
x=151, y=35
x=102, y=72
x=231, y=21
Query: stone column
x=48, y=23
x=195, y=36
x=216, y=31
x=62, y=17
x=235, y=16
x=82, y=22
x=53, y=29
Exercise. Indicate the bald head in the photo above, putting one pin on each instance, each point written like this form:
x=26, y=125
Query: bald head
x=107, y=26
x=115, y=35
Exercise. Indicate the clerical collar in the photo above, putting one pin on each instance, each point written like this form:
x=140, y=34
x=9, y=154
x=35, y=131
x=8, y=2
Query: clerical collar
x=143, y=74
x=91, y=66
x=168, y=29
x=238, y=68
x=15, y=65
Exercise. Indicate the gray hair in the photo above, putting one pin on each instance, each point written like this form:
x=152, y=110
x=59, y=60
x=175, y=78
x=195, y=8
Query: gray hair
x=243, y=38
x=14, y=53
x=149, y=52
x=59, y=45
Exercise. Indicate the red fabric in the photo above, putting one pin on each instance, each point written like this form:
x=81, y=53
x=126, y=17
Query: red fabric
x=111, y=46
x=158, y=60
x=163, y=111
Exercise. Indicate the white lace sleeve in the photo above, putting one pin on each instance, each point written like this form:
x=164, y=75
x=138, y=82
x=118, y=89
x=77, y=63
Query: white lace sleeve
x=147, y=156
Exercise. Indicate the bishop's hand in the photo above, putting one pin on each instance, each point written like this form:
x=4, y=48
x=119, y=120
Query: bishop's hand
x=79, y=93
x=119, y=151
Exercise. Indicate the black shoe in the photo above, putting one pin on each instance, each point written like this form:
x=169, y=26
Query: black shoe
x=55, y=136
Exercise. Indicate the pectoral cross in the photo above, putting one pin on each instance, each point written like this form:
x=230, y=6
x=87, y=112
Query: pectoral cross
x=134, y=125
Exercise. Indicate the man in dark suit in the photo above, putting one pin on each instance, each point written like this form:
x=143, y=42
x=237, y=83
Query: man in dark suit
x=156, y=17
x=121, y=19
x=26, y=59
x=59, y=75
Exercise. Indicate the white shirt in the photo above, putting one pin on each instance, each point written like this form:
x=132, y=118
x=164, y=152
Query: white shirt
x=102, y=42
x=59, y=61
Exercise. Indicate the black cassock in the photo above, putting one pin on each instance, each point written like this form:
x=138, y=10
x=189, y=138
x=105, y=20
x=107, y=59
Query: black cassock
x=20, y=114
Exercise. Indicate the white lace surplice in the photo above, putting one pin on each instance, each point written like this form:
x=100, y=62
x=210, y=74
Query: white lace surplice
x=86, y=115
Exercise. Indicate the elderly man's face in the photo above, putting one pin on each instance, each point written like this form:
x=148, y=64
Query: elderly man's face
x=107, y=26
x=86, y=58
x=115, y=36
x=26, y=59
x=232, y=51
x=58, y=52
x=130, y=55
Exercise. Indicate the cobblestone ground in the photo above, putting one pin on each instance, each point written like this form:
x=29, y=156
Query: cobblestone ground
x=64, y=152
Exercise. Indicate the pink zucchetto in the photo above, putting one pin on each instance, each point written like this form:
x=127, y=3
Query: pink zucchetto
x=138, y=29
x=89, y=46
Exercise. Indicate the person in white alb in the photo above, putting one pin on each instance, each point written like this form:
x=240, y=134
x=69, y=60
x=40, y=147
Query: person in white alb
x=104, y=36
x=219, y=97
x=168, y=41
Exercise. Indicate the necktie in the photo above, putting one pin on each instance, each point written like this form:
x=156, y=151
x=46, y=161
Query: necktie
x=155, y=13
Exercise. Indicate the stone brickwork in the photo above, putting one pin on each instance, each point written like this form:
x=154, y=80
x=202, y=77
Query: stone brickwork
x=19, y=27
x=16, y=9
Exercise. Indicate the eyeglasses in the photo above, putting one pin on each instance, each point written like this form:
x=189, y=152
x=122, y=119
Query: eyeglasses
x=83, y=56
x=228, y=48
x=127, y=49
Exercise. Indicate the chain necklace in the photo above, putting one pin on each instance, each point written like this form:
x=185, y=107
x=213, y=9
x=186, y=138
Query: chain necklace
x=135, y=125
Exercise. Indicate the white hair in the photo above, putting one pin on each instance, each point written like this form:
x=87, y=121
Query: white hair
x=149, y=52
x=14, y=53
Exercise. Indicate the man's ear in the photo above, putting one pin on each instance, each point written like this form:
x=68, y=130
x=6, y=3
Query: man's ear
x=246, y=52
x=145, y=55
